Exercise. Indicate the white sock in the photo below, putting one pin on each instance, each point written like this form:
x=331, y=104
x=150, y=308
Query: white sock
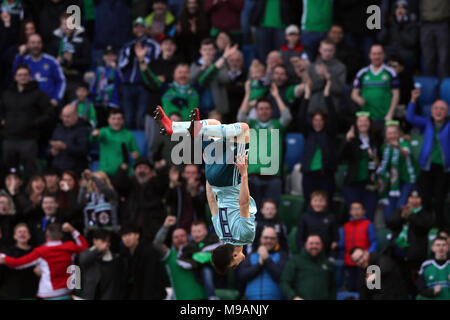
x=180, y=126
x=222, y=130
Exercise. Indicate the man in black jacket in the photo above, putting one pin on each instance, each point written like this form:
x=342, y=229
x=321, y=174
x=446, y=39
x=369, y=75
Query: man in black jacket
x=100, y=269
x=69, y=145
x=141, y=270
x=392, y=284
x=72, y=49
x=410, y=226
x=25, y=111
x=143, y=193
x=19, y=284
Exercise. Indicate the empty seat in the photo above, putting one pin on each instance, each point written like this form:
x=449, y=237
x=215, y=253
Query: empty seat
x=444, y=90
x=290, y=209
x=295, y=143
x=384, y=237
x=428, y=91
x=141, y=142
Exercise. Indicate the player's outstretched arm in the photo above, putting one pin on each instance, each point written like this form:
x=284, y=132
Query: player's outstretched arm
x=212, y=202
x=244, y=194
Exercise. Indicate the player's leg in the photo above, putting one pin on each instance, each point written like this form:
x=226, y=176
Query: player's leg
x=169, y=127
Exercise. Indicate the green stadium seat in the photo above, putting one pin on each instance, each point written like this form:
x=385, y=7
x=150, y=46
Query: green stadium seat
x=290, y=209
x=227, y=294
x=384, y=237
x=292, y=241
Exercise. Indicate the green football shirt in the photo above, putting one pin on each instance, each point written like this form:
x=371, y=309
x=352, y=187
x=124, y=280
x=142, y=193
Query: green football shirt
x=376, y=89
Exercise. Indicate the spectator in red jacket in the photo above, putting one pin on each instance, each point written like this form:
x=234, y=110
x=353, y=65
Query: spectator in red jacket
x=358, y=232
x=53, y=258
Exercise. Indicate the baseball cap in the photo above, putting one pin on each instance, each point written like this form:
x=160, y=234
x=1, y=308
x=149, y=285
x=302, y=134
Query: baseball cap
x=140, y=161
x=109, y=49
x=13, y=170
x=139, y=20
x=292, y=29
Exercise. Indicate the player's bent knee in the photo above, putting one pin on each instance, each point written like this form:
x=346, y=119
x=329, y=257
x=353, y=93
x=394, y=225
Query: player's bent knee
x=213, y=122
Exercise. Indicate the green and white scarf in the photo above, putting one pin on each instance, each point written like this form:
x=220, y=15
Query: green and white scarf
x=388, y=173
x=402, y=239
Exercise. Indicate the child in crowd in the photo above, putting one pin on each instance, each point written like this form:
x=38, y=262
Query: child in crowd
x=105, y=88
x=269, y=218
x=318, y=220
x=258, y=86
x=397, y=171
x=358, y=232
x=293, y=46
x=84, y=105
x=196, y=256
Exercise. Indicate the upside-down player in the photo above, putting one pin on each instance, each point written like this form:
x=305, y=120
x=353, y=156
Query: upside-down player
x=232, y=209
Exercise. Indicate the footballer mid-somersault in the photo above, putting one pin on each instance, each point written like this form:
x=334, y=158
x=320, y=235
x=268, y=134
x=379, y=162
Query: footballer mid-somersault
x=233, y=210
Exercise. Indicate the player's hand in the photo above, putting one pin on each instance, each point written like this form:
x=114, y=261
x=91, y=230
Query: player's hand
x=37, y=271
x=67, y=227
x=2, y=260
x=415, y=94
x=170, y=221
x=241, y=163
x=437, y=289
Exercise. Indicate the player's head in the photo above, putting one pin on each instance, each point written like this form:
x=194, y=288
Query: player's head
x=54, y=232
x=440, y=248
x=269, y=209
x=226, y=257
x=357, y=210
x=319, y=200
x=199, y=230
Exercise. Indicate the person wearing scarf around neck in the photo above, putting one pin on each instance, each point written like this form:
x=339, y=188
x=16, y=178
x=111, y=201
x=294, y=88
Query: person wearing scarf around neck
x=362, y=154
x=397, y=170
x=410, y=225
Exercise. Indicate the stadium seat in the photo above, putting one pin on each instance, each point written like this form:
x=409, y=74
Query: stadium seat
x=94, y=166
x=249, y=52
x=384, y=237
x=290, y=209
x=347, y=296
x=141, y=142
x=444, y=90
x=292, y=241
x=227, y=294
x=295, y=143
x=428, y=91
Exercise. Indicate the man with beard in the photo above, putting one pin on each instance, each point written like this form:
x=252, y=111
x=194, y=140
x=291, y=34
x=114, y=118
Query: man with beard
x=142, y=193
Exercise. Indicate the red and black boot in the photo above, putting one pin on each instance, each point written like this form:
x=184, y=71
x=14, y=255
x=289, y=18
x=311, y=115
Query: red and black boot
x=164, y=122
x=196, y=124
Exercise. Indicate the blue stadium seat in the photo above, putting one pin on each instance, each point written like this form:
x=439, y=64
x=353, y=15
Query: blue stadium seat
x=295, y=143
x=141, y=142
x=444, y=90
x=426, y=110
x=249, y=52
x=429, y=86
x=347, y=295
x=94, y=166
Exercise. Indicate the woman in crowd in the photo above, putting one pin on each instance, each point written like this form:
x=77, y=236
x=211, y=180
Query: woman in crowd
x=191, y=29
x=361, y=153
x=397, y=170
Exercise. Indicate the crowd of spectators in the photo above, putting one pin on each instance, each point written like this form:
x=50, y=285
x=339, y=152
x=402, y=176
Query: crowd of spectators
x=79, y=188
